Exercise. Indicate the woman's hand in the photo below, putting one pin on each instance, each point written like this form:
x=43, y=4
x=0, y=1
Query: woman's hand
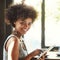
x=36, y=52
x=32, y=54
x=43, y=57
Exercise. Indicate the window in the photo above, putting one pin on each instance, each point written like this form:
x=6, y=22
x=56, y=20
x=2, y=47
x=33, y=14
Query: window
x=52, y=22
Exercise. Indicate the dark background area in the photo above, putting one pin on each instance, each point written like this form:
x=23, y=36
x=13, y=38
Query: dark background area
x=3, y=27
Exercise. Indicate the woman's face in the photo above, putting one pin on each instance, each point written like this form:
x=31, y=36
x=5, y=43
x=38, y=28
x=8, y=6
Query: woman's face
x=23, y=26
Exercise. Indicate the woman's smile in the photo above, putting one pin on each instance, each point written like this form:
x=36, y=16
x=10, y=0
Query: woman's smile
x=23, y=26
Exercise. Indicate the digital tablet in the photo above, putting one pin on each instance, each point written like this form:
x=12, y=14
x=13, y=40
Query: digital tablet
x=45, y=52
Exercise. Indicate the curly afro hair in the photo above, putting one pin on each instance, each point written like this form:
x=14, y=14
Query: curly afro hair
x=20, y=11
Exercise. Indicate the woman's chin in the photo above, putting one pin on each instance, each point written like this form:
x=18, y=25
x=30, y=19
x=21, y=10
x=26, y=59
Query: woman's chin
x=23, y=33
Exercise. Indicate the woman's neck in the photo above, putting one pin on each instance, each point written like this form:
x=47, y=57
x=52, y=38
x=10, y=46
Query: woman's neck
x=16, y=33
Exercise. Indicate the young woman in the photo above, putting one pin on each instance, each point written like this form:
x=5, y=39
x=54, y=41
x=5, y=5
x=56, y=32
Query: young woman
x=21, y=18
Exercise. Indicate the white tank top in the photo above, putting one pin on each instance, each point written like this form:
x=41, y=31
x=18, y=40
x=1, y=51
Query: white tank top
x=22, y=50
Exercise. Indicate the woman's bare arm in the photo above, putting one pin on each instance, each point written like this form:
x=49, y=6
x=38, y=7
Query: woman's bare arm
x=32, y=54
x=13, y=49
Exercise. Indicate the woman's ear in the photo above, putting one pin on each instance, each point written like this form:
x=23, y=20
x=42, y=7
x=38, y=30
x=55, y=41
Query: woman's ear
x=14, y=23
x=7, y=21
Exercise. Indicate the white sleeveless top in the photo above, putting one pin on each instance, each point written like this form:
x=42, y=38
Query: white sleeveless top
x=22, y=51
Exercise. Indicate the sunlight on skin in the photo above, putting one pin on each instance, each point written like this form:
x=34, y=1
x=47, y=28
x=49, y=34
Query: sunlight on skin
x=10, y=50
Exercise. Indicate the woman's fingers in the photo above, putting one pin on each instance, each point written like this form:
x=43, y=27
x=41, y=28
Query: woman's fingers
x=42, y=58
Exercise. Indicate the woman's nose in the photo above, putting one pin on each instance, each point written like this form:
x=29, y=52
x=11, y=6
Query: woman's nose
x=26, y=26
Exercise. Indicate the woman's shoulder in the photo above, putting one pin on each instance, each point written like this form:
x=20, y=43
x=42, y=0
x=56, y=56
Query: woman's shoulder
x=11, y=38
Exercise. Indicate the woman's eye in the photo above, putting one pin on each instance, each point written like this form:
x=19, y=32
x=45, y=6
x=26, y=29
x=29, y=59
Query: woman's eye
x=21, y=23
x=24, y=23
x=29, y=23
